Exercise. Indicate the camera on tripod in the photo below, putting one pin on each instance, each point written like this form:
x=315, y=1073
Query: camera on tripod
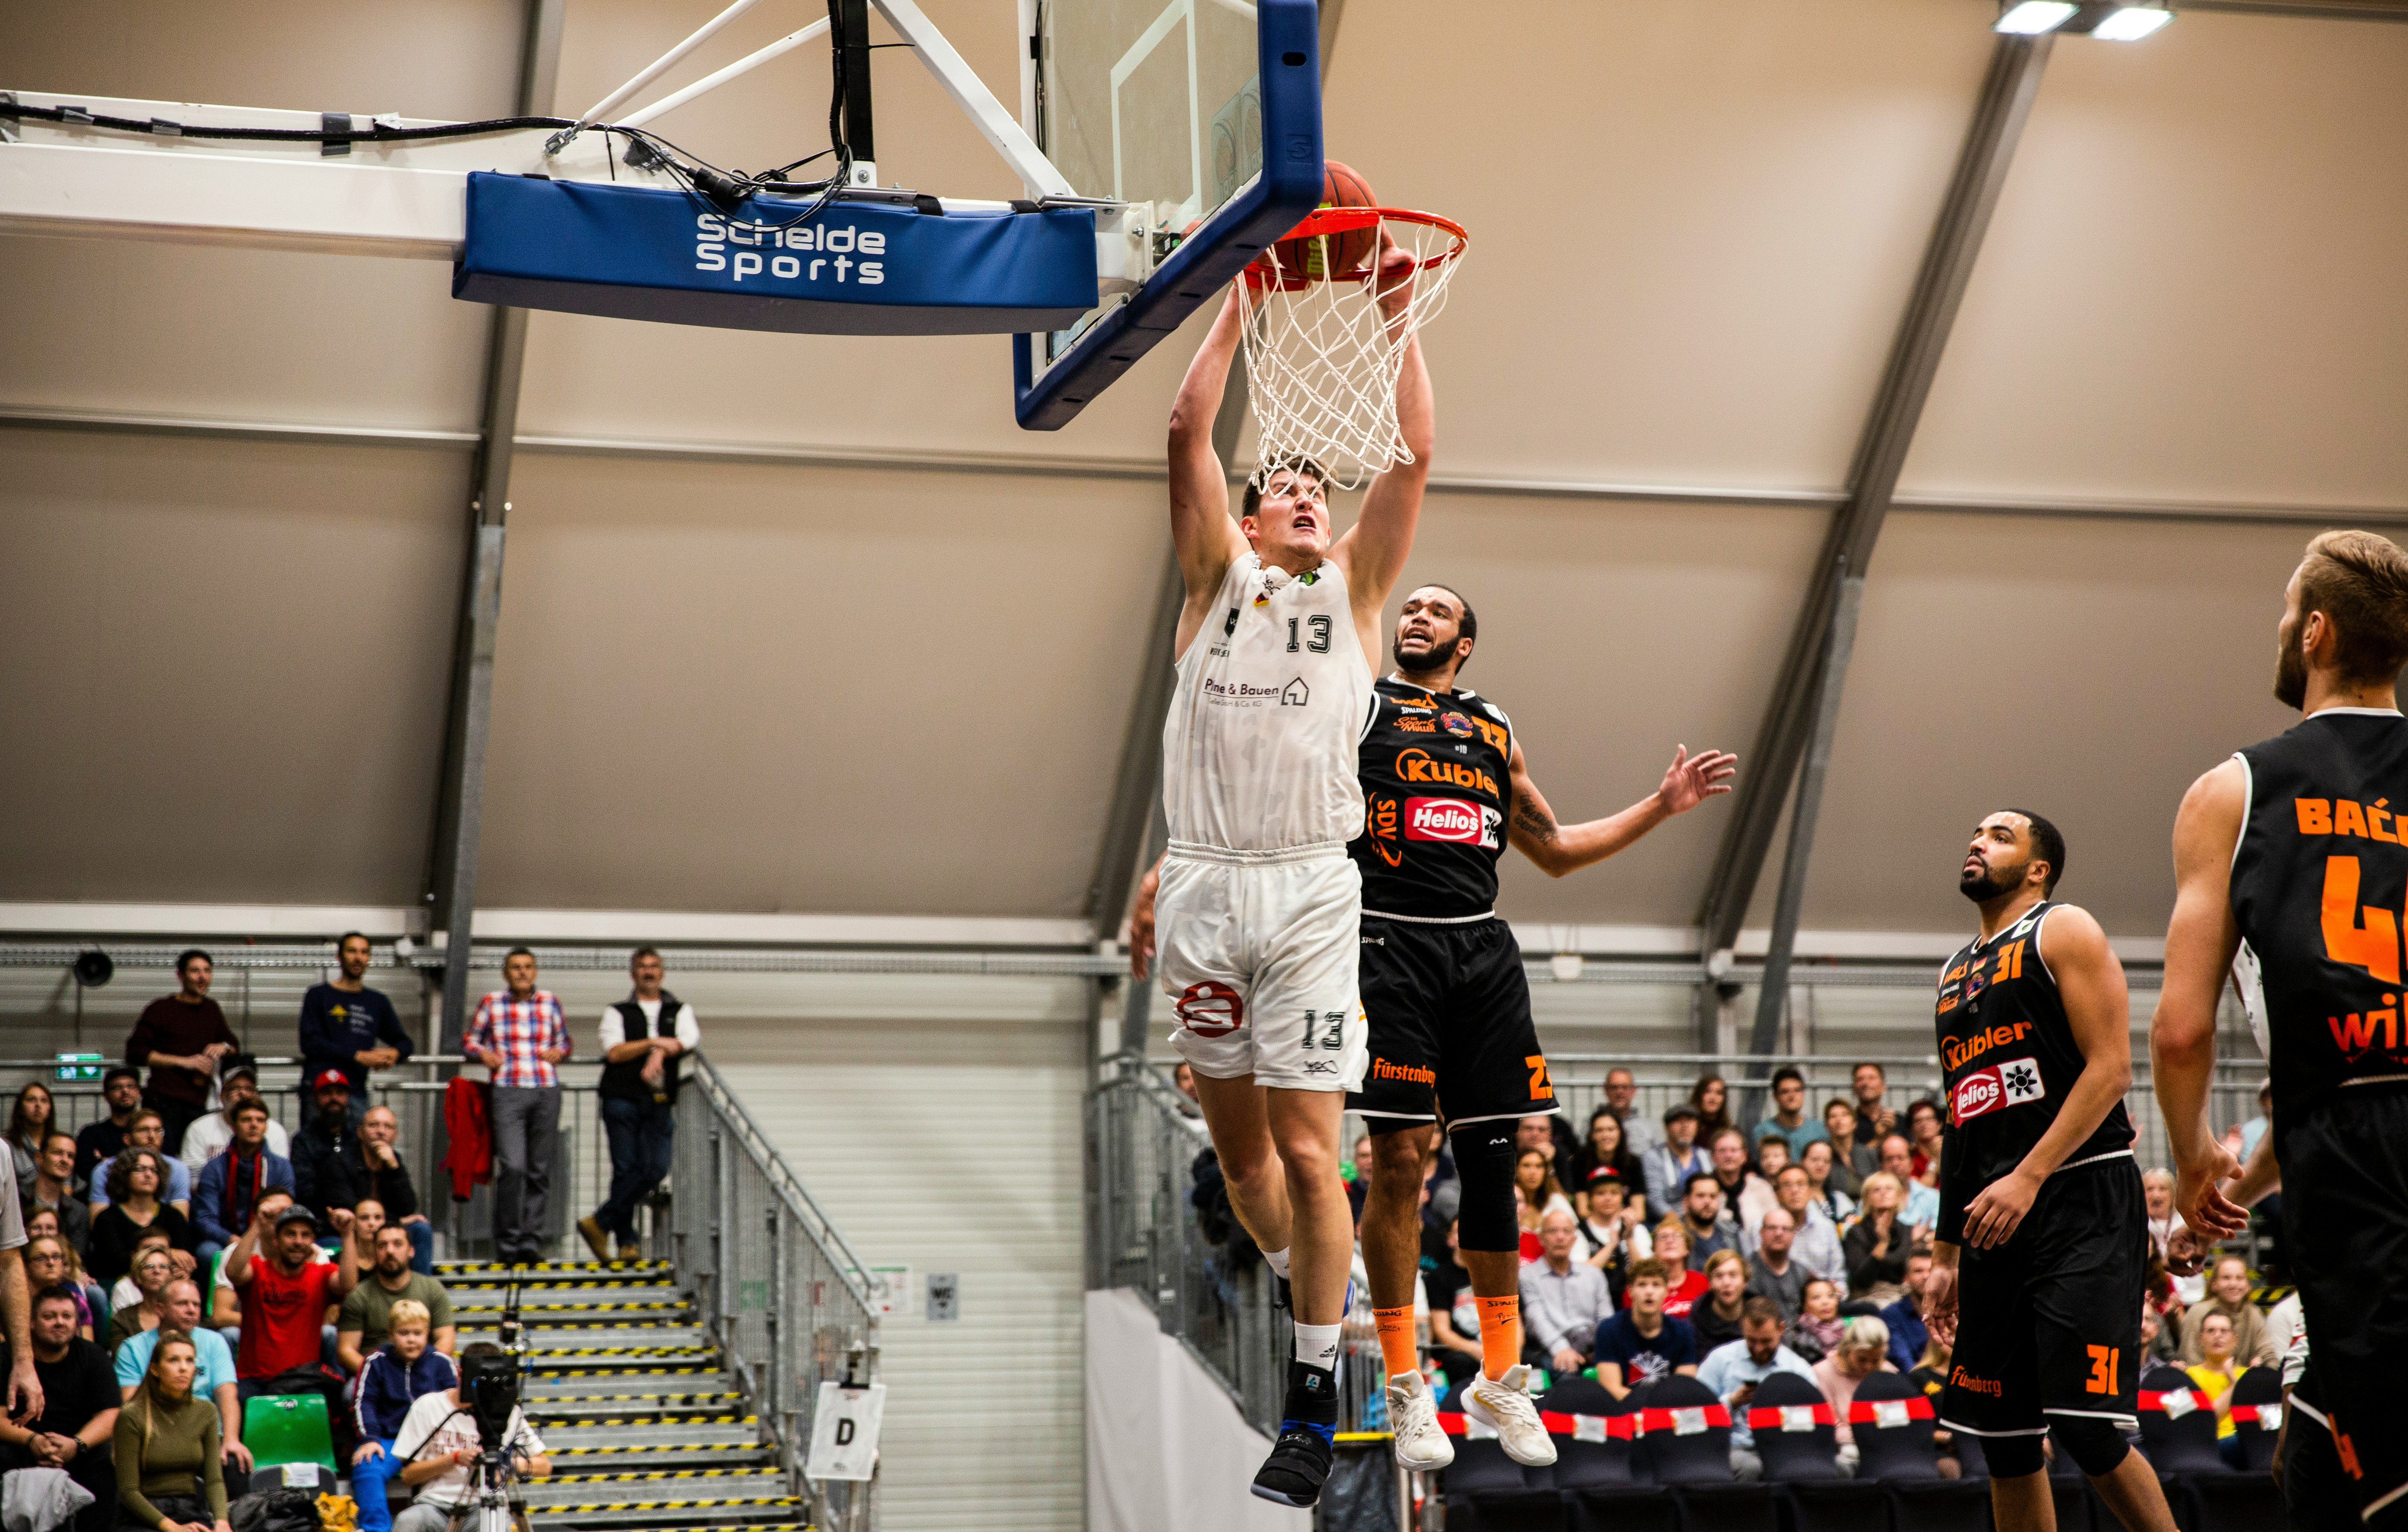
x=489, y=1389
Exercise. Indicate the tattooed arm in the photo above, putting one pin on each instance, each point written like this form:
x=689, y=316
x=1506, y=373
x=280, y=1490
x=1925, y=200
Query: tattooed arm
x=1559, y=849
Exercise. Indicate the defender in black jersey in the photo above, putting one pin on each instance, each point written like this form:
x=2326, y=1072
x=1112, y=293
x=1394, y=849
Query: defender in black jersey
x=2291, y=878
x=1451, y=1041
x=2039, y=1260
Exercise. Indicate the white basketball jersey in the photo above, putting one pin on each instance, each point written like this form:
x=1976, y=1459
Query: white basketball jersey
x=1273, y=696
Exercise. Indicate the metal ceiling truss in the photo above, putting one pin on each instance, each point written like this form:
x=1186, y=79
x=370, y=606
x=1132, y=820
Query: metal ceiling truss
x=1799, y=722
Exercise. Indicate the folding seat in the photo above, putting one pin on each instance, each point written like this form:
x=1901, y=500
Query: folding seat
x=2258, y=1416
x=1595, y=1470
x=2178, y=1434
x=1485, y=1490
x=1797, y=1437
x=1684, y=1441
x=1893, y=1422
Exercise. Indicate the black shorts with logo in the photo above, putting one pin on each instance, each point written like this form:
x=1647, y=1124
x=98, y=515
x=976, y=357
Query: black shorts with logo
x=2345, y=1225
x=2048, y=1324
x=1451, y=1032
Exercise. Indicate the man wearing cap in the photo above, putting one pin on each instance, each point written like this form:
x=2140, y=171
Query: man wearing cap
x=318, y=1177
x=284, y=1296
x=349, y=1028
x=98, y=1143
x=1669, y=1165
x=207, y=1138
x=227, y=1193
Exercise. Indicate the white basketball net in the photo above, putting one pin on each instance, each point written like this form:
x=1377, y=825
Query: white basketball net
x=1321, y=358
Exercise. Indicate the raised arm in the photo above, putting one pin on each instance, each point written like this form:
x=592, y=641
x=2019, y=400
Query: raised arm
x=1201, y=531
x=2200, y=941
x=1559, y=849
x=2097, y=1007
x=1373, y=550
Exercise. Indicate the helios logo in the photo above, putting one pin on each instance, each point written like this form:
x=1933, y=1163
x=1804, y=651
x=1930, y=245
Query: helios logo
x=835, y=253
x=1451, y=819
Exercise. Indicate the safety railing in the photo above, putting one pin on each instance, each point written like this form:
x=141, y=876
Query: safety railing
x=782, y=1293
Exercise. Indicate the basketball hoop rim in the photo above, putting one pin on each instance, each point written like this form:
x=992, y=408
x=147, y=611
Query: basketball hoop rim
x=1260, y=273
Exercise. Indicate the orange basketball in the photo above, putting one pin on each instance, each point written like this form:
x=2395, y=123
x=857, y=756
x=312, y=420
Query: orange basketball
x=1335, y=254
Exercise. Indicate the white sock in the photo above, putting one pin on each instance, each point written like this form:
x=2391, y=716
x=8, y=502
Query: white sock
x=1316, y=1345
x=1278, y=1259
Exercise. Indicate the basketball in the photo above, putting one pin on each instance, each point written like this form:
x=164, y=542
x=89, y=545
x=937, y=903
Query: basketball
x=1317, y=260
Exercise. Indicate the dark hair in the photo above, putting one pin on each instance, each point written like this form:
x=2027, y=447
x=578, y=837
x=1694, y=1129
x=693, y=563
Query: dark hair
x=2050, y=849
x=141, y=1113
x=46, y=1137
x=1650, y=1269
x=1797, y=1165
x=250, y=1103
x=1787, y=1071
x=2359, y=581
x=184, y=959
x=527, y=952
x=17, y=1128
x=122, y=1168
x=1291, y=466
x=643, y=952
x=349, y=935
x=55, y=1293
x=480, y=1348
x=1690, y=1182
x=1759, y=1308
x=1467, y=626
x=1874, y=1068
x=120, y=1071
x=1679, y=1109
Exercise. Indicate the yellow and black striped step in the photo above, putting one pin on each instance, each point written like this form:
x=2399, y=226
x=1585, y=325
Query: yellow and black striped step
x=642, y=1306
x=622, y=1449
x=639, y=1476
x=539, y=1510
x=571, y=1423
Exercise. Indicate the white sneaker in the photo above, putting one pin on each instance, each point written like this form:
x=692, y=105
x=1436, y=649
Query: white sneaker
x=1504, y=1406
x=1412, y=1415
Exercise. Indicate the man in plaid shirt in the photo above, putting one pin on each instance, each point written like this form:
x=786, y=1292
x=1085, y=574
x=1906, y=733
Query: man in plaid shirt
x=520, y=1034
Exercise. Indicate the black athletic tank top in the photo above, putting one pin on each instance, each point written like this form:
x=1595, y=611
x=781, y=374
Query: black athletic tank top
x=2317, y=886
x=1435, y=786
x=2007, y=1059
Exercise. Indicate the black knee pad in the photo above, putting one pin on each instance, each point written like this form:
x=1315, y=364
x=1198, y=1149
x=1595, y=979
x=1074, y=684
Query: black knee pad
x=1483, y=1162
x=2095, y=1446
x=2014, y=1457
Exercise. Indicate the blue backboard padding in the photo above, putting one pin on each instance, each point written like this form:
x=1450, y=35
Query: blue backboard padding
x=856, y=268
x=1289, y=187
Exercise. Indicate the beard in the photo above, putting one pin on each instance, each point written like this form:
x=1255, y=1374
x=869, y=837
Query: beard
x=1987, y=884
x=1432, y=659
x=2290, y=668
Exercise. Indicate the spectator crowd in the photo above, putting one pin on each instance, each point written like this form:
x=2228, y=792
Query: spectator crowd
x=186, y=1254
x=1691, y=1245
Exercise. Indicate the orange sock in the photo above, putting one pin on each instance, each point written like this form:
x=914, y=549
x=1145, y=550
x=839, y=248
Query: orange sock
x=1500, y=1334
x=1397, y=1348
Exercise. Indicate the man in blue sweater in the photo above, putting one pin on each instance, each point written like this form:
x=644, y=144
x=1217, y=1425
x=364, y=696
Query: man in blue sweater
x=348, y=1026
x=227, y=1193
x=394, y=1378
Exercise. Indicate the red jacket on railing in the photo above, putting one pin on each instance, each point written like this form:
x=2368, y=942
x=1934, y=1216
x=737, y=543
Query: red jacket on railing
x=467, y=1124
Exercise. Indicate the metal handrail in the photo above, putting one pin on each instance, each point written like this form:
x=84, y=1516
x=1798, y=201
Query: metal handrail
x=773, y=1168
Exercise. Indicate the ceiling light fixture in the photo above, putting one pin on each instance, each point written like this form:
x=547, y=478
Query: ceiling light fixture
x=2029, y=17
x=2130, y=23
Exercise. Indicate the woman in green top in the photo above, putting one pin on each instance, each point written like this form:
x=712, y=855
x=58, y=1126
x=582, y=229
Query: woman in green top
x=168, y=1478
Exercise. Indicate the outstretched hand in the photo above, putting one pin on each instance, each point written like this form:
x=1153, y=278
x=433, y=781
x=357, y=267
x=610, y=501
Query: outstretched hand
x=1688, y=782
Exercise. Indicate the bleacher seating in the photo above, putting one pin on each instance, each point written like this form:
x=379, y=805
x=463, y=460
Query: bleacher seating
x=2258, y=1416
x=1797, y=1437
x=2178, y=1430
x=1595, y=1469
x=1684, y=1441
x=1892, y=1421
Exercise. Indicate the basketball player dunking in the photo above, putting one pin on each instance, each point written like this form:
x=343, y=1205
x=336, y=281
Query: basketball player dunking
x=2038, y=1266
x=1445, y=789
x=1260, y=907
x=2288, y=857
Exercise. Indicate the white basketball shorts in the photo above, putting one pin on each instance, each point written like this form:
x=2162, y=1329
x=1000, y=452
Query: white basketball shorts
x=1259, y=954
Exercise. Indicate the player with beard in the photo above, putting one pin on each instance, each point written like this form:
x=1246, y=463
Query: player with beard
x=2040, y=1257
x=2287, y=858
x=1445, y=788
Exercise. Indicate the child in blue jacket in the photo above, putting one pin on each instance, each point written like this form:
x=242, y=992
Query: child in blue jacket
x=406, y=1369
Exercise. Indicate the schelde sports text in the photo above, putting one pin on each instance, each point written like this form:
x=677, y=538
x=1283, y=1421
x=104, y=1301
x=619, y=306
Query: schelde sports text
x=838, y=250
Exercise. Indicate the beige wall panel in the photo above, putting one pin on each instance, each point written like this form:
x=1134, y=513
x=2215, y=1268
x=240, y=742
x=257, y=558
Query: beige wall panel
x=1694, y=227
x=610, y=377
x=225, y=667
x=2192, y=288
x=2089, y=671
x=129, y=326
x=431, y=58
x=1611, y=632
x=736, y=688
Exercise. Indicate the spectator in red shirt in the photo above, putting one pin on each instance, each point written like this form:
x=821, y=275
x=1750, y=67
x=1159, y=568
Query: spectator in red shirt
x=1683, y=1286
x=181, y=1037
x=285, y=1297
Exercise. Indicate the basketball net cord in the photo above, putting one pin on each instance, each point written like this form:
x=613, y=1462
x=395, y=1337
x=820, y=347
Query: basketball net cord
x=1322, y=359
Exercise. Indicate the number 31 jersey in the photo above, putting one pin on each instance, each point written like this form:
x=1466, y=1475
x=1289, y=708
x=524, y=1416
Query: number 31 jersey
x=2318, y=881
x=2007, y=1058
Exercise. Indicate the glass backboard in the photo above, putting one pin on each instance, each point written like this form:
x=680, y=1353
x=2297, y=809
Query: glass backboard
x=1168, y=105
